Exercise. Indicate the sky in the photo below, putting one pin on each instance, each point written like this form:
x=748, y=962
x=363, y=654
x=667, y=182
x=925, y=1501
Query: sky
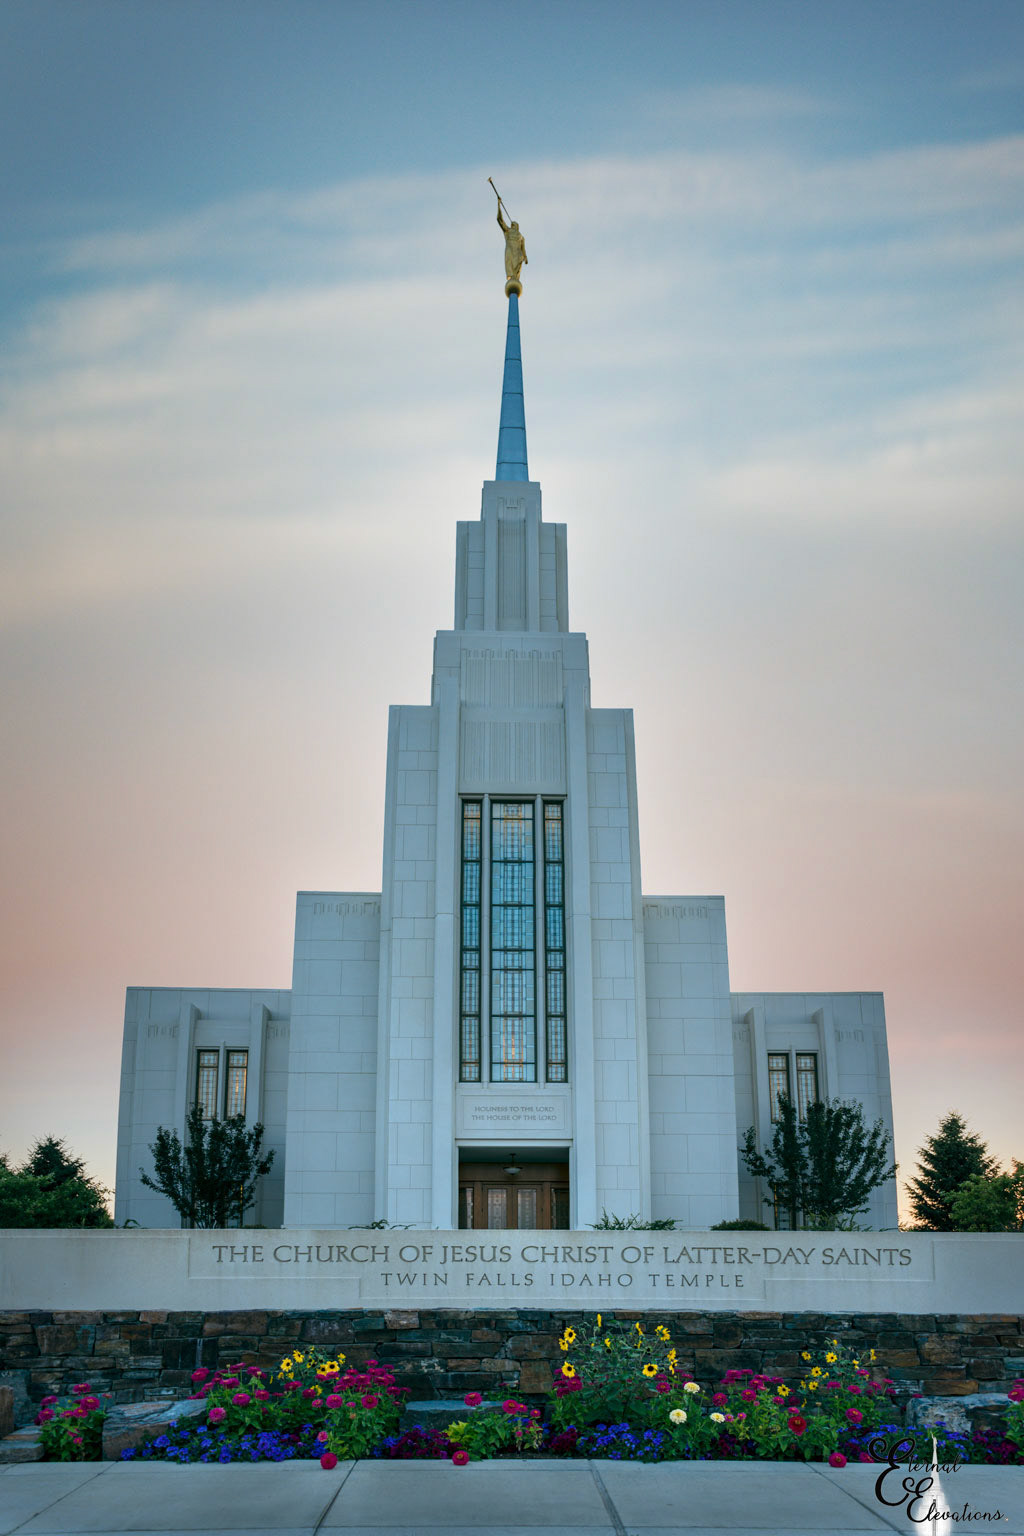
x=251, y=324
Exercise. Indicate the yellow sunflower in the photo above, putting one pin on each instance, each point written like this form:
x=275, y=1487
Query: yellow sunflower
x=599, y=1319
x=831, y=1358
x=563, y=1346
x=569, y=1336
x=287, y=1367
x=815, y=1370
x=663, y=1333
x=806, y=1355
x=812, y=1386
x=568, y=1370
x=650, y=1370
x=783, y=1391
x=297, y=1357
x=607, y=1343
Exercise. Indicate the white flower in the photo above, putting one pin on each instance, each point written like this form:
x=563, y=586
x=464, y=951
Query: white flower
x=691, y=1387
x=717, y=1418
x=678, y=1415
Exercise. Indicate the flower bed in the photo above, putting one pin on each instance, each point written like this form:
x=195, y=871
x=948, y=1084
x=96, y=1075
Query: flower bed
x=620, y=1394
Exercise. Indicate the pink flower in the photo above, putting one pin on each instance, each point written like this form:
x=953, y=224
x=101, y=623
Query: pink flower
x=215, y=1415
x=335, y=1401
x=853, y=1388
x=720, y=1399
x=328, y=1461
x=262, y=1395
x=472, y=1399
x=837, y=1459
x=854, y=1415
x=89, y=1403
x=229, y=1381
x=1016, y=1394
x=200, y=1375
x=661, y=1385
x=322, y=1435
x=510, y=1406
x=748, y=1395
x=309, y=1392
x=254, y=1370
x=46, y=1402
x=460, y=1458
x=797, y=1424
x=44, y=1415
x=241, y=1399
x=370, y=1400
x=535, y=1413
x=81, y=1386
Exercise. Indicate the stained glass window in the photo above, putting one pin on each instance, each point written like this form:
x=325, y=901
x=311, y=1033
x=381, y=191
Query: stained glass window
x=554, y=943
x=469, y=982
x=513, y=947
x=206, y=1083
x=238, y=1064
x=778, y=1079
x=806, y=1081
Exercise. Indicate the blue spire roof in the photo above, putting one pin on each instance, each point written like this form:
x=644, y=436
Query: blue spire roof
x=512, y=425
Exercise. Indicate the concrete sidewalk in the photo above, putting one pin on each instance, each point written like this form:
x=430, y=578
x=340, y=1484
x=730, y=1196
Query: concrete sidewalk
x=490, y=1498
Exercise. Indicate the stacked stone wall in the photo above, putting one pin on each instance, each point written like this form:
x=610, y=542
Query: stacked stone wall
x=440, y=1354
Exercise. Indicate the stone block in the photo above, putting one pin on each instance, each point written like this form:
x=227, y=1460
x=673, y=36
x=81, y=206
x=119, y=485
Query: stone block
x=129, y=1425
x=6, y=1411
x=17, y=1384
x=940, y=1349
x=537, y=1346
x=535, y=1376
x=399, y=1319
x=949, y=1382
x=24, y=1445
x=246, y=1323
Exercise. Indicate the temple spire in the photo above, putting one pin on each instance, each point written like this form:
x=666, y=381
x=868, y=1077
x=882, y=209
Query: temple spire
x=512, y=424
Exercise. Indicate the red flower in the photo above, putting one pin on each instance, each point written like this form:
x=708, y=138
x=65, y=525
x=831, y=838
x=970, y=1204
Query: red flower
x=241, y=1399
x=837, y=1459
x=44, y=1415
x=335, y=1400
x=748, y=1395
x=460, y=1458
x=328, y=1461
x=854, y=1415
x=81, y=1386
x=370, y=1400
x=720, y=1399
x=46, y=1402
x=473, y=1399
x=200, y=1375
x=1016, y=1394
x=309, y=1392
x=797, y=1424
x=853, y=1388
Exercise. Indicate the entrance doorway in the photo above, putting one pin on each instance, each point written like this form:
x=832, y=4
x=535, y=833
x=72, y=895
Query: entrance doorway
x=536, y=1196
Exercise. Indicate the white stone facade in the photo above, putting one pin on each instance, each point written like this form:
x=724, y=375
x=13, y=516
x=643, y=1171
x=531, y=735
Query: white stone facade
x=362, y=1072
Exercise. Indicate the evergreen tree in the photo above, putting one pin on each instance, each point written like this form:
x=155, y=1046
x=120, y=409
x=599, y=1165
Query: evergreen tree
x=212, y=1179
x=51, y=1189
x=993, y=1204
x=947, y=1159
x=824, y=1169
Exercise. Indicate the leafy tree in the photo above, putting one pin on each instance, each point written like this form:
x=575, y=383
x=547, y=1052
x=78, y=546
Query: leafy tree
x=824, y=1168
x=994, y=1204
x=212, y=1179
x=51, y=1189
x=947, y=1159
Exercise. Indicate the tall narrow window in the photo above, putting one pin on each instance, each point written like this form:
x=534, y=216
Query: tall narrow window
x=806, y=1081
x=513, y=949
x=469, y=981
x=206, y=1083
x=554, y=943
x=778, y=1079
x=234, y=1098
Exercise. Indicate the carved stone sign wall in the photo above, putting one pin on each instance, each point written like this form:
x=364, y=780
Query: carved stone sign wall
x=904, y=1272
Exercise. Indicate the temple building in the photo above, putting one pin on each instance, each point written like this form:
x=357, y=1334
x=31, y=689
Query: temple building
x=510, y=1033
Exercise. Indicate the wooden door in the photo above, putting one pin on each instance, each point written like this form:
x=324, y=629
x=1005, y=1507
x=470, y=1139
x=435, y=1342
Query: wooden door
x=536, y=1198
